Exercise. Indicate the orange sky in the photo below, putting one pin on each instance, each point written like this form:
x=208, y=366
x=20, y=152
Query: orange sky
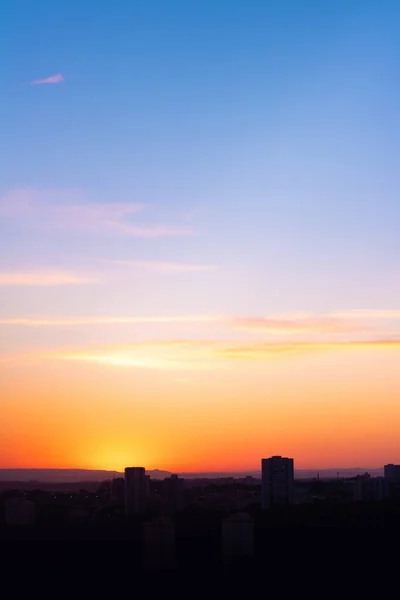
x=326, y=408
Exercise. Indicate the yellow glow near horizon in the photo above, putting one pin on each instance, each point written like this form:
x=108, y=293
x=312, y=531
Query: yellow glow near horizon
x=326, y=409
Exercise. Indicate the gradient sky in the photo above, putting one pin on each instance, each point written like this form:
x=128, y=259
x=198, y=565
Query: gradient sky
x=199, y=233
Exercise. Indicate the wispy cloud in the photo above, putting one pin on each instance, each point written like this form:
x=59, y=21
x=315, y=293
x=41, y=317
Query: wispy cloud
x=195, y=355
x=58, y=78
x=68, y=210
x=270, y=351
x=207, y=354
x=163, y=267
x=105, y=320
x=166, y=355
x=298, y=324
x=376, y=314
x=43, y=278
x=351, y=325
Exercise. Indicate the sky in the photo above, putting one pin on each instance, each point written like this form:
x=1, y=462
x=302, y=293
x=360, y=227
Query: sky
x=199, y=249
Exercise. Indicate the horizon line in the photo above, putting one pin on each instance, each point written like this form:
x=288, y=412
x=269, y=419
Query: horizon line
x=337, y=469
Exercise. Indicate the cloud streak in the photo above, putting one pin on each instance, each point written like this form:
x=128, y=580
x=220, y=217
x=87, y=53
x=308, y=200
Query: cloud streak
x=54, y=210
x=58, y=78
x=194, y=354
x=350, y=324
x=269, y=351
x=163, y=267
x=165, y=355
x=210, y=354
x=374, y=314
x=295, y=325
x=105, y=320
x=43, y=278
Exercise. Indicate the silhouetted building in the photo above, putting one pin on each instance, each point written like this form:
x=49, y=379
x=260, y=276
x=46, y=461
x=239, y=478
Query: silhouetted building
x=367, y=488
x=277, y=481
x=249, y=480
x=19, y=511
x=174, y=492
x=392, y=473
x=237, y=537
x=135, y=491
x=159, y=545
x=117, y=491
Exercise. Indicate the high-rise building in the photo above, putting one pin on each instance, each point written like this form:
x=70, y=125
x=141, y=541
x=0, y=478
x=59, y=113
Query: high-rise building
x=367, y=488
x=159, y=545
x=135, y=491
x=237, y=537
x=148, y=485
x=117, y=491
x=174, y=492
x=277, y=481
x=19, y=511
x=392, y=473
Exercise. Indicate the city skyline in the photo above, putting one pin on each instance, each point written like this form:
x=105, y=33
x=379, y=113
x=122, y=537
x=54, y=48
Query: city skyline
x=78, y=474
x=199, y=250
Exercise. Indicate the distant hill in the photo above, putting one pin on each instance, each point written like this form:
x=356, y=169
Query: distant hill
x=67, y=475
x=77, y=475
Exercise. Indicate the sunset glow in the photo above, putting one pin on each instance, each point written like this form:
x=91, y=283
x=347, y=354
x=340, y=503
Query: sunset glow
x=199, y=237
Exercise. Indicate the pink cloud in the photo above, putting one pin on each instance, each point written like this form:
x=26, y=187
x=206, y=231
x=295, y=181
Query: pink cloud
x=43, y=278
x=58, y=78
x=293, y=325
x=69, y=210
x=18, y=202
x=108, y=218
x=106, y=320
x=370, y=314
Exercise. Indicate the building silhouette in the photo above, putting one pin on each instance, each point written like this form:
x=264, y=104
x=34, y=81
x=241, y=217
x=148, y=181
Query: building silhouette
x=19, y=511
x=367, y=488
x=117, y=491
x=237, y=537
x=135, y=491
x=277, y=481
x=148, y=486
x=159, y=545
x=392, y=473
x=174, y=492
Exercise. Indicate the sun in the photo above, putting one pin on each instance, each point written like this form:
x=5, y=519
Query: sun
x=110, y=457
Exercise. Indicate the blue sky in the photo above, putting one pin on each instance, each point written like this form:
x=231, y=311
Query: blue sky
x=270, y=129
